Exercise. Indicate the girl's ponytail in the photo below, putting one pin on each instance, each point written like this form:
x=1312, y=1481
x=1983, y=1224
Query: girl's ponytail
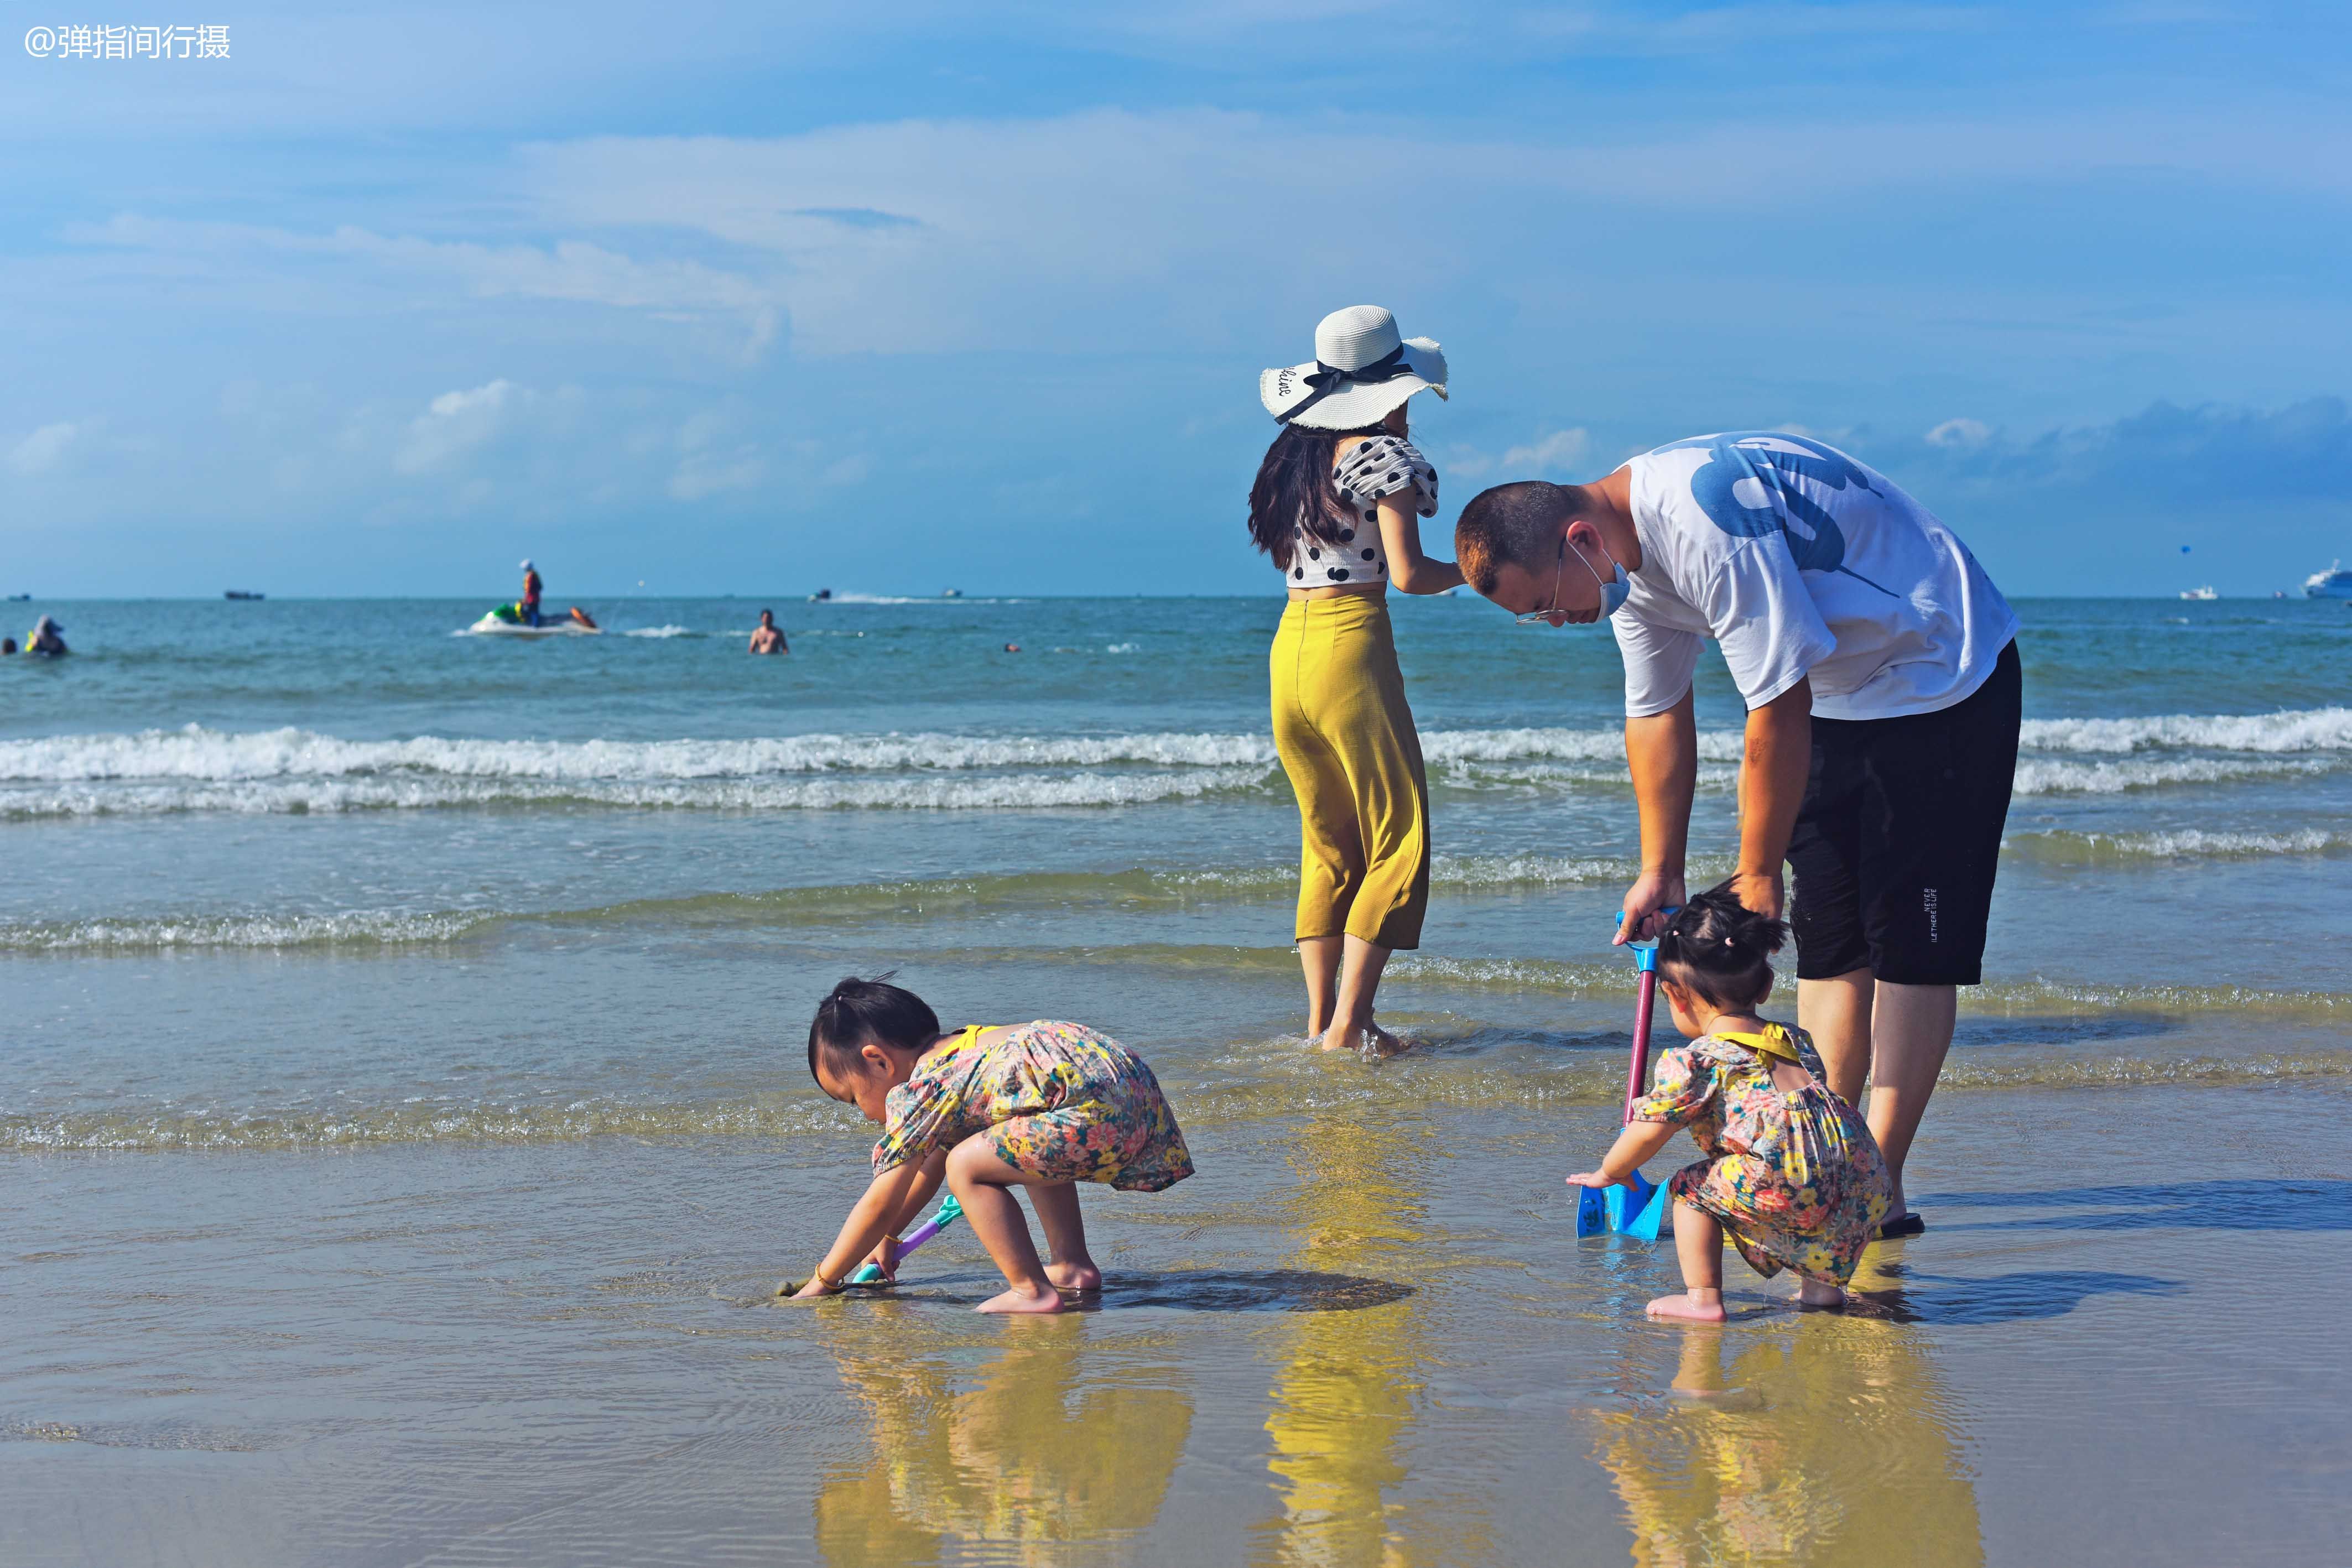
x=1720, y=949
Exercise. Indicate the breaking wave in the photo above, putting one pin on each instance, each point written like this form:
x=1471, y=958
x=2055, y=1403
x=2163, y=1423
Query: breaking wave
x=194, y=768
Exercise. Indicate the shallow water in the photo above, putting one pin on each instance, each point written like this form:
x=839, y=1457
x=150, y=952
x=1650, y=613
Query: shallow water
x=405, y=1117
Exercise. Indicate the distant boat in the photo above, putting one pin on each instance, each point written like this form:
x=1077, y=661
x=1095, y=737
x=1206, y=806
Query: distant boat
x=2201, y=594
x=950, y=593
x=2333, y=583
x=243, y=593
x=820, y=596
x=20, y=598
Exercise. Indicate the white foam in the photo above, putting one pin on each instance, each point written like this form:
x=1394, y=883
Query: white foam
x=661, y=632
x=2037, y=775
x=299, y=796
x=2182, y=844
x=357, y=928
x=2294, y=730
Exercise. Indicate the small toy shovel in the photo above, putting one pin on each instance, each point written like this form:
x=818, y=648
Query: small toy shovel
x=1636, y=1208
x=946, y=1214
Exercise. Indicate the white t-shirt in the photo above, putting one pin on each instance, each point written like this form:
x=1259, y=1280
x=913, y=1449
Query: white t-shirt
x=1800, y=561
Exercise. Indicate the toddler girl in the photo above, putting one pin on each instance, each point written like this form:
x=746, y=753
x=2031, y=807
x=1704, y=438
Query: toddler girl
x=1791, y=1171
x=1042, y=1106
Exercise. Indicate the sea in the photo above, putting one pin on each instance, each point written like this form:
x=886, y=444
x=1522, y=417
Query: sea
x=404, y=1119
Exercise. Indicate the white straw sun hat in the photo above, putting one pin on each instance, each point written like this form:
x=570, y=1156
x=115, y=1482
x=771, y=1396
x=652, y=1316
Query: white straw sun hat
x=1360, y=371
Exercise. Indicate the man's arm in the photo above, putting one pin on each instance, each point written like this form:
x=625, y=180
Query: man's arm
x=1772, y=776
x=1662, y=754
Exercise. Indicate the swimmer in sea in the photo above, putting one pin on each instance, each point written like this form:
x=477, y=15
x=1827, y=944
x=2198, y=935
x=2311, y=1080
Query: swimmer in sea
x=8, y=646
x=768, y=638
x=44, y=639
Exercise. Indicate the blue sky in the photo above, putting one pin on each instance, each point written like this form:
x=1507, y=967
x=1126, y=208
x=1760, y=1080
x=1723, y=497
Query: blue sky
x=893, y=298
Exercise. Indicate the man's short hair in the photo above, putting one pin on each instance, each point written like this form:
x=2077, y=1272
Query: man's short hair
x=1516, y=524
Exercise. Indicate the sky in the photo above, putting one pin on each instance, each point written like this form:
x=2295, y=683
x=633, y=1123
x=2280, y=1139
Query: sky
x=753, y=299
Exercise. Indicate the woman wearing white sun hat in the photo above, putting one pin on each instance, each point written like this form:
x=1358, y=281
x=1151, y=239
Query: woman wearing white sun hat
x=1336, y=505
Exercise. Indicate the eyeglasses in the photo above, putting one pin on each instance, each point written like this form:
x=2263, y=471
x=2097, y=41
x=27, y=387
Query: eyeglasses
x=1543, y=617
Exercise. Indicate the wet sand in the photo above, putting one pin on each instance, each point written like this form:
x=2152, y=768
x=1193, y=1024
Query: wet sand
x=1364, y=1337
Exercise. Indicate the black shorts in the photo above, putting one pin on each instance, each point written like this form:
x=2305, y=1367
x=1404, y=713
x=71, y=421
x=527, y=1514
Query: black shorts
x=1899, y=837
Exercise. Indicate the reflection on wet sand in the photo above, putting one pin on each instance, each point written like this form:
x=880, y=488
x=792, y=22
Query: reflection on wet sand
x=1342, y=1401
x=1812, y=1438
x=1055, y=1437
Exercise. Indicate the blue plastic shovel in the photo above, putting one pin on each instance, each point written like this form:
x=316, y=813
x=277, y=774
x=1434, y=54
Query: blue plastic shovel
x=946, y=1214
x=1636, y=1208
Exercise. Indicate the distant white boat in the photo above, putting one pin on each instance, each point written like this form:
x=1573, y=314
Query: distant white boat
x=2333, y=583
x=2200, y=594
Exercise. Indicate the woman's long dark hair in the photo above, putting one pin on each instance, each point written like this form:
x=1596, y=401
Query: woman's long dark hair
x=1293, y=486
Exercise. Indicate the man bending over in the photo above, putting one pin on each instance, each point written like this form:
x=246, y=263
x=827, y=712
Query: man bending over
x=1880, y=671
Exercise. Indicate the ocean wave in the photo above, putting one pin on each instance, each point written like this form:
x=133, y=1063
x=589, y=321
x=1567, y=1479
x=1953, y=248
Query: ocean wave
x=664, y=632
x=2041, y=776
x=304, y=796
x=215, y=756
x=1253, y=1082
x=2293, y=729
x=194, y=768
x=170, y=1129
x=360, y=929
x=2062, y=847
x=193, y=752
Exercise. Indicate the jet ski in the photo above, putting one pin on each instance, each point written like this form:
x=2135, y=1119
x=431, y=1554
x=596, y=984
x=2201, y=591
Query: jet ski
x=507, y=620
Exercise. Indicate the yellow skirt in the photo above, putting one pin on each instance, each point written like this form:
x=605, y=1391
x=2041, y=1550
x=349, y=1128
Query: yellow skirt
x=1347, y=741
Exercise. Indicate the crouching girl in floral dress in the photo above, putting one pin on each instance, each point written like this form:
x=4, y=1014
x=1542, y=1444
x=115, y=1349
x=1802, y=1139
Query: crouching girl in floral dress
x=1043, y=1105
x=1791, y=1171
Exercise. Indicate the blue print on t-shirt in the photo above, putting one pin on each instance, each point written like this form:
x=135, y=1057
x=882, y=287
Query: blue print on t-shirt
x=1815, y=541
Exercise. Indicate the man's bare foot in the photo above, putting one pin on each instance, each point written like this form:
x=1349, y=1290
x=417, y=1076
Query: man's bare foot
x=1074, y=1278
x=1017, y=1300
x=1814, y=1293
x=1690, y=1306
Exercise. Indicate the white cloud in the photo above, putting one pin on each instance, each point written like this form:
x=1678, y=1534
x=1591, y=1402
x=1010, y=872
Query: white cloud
x=572, y=270
x=1095, y=231
x=1961, y=434
x=39, y=452
x=1562, y=451
x=458, y=423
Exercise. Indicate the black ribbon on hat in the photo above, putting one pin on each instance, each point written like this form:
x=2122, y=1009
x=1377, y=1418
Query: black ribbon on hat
x=1329, y=379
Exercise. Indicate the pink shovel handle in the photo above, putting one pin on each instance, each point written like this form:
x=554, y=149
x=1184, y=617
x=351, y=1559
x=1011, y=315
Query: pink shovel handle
x=1637, y=1072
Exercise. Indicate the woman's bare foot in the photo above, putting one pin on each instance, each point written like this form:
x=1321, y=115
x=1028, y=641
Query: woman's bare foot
x=1371, y=1038
x=1814, y=1293
x=1690, y=1306
x=1018, y=1300
x=1074, y=1278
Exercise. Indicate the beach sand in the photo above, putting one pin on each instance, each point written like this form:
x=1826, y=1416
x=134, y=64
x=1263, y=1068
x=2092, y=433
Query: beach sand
x=1370, y=1337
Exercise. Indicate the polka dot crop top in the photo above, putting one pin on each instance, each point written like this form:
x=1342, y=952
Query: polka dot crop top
x=1383, y=467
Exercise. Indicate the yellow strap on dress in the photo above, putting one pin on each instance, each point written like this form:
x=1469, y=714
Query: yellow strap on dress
x=1772, y=1041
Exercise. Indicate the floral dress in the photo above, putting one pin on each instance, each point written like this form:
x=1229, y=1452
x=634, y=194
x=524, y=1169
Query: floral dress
x=1058, y=1101
x=1796, y=1178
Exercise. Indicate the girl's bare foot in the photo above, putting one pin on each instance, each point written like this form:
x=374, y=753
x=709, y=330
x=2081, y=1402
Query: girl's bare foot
x=1074, y=1278
x=1018, y=1300
x=1814, y=1293
x=1690, y=1306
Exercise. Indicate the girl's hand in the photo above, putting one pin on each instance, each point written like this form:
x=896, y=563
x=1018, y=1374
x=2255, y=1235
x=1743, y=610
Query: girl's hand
x=884, y=1256
x=1594, y=1178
